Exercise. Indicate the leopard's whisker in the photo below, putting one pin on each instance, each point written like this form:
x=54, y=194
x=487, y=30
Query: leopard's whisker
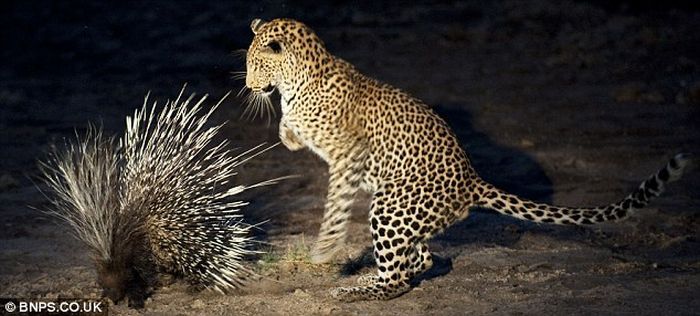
x=270, y=110
x=242, y=91
x=248, y=102
x=257, y=105
x=240, y=53
x=238, y=75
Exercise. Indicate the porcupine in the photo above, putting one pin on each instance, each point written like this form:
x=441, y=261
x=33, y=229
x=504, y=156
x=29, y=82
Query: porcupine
x=160, y=199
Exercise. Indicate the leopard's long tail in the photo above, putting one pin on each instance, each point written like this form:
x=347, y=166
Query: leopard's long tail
x=652, y=187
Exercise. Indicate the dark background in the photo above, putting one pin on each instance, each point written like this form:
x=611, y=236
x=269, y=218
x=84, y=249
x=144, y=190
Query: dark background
x=69, y=63
x=570, y=102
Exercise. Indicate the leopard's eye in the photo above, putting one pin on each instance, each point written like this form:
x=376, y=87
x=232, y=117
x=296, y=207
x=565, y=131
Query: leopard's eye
x=275, y=46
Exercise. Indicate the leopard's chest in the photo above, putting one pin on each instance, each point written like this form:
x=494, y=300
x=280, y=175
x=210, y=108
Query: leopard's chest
x=310, y=136
x=320, y=126
x=285, y=106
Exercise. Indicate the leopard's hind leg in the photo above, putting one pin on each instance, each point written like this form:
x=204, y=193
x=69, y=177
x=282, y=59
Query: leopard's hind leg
x=399, y=248
x=420, y=259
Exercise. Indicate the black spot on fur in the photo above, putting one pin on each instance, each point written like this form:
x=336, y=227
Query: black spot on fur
x=673, y=163
x=626, y=204
x=652, y=185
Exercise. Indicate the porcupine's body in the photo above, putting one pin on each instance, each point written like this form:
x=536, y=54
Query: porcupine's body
x=159, y=200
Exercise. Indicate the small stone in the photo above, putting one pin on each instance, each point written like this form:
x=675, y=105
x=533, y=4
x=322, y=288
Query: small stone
x=198, y=304
x=526, y=143
x=694, y=93
x=652, y=97
x=637, y=92
x=8, y=182
x=328, y=310
x=691, y=95
x=686, y=64
x=628, y=92
x=300, y=292
x=682, y=98
x=51, y=296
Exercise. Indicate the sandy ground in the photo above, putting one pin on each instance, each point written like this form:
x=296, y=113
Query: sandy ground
x=563, y=102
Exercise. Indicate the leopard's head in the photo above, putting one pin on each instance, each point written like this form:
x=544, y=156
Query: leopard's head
x=283, y=53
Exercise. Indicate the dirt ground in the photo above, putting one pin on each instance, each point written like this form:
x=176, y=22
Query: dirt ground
x=569, y=102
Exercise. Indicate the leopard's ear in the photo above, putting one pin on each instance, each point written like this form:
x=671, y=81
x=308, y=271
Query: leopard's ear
x=256, y=24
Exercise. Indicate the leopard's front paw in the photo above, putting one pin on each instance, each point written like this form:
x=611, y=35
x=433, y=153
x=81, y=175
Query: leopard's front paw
x=292, y=145
x=290, y=140
x=323, y=254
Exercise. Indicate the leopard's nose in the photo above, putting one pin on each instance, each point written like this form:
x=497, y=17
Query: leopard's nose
x=268, y=88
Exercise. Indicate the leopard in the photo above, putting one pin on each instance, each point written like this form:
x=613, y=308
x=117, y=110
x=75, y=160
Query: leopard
x=379, y=139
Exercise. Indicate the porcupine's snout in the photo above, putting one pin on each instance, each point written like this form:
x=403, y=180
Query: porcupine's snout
x=115, y=295
x=113, y=283
x=119, y=281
